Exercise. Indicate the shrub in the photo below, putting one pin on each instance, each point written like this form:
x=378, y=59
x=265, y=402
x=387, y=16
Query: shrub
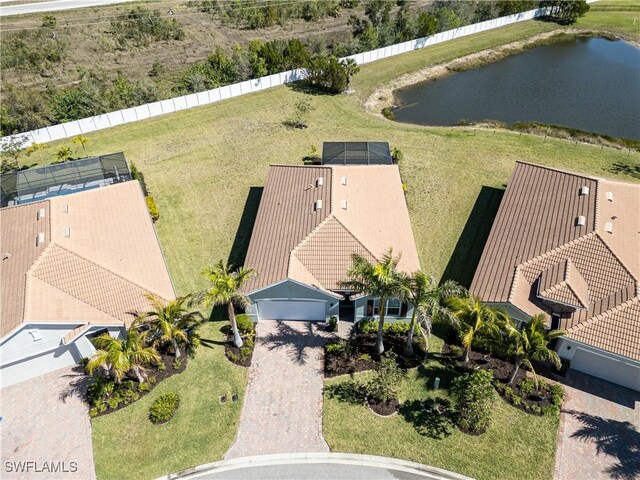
x=330, y=74
x=163, y=407
x=49, y=21
x=245, y=351
x=473, y=396
x=388, y=113
x=152, y=207
x=397, y=155
x=177, y=363
x=386, y=381
x=332, y=325
x=99, y=388
x=141, y=27
x=365, y=356
x=144, y=387
x=245, y=325
x=337, y=348
x=527, y=386
x=232, y=356
x=301, y=111
x=550, y=410
x=456, y=351
x=157, y=69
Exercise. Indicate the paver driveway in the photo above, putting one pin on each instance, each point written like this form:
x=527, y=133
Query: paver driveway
x=599, y=435
x=46, y=422
x=282, y=409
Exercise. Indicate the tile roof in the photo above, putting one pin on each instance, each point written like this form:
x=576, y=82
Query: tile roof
x=99, y=256
x=537, y=251
x=291, y=240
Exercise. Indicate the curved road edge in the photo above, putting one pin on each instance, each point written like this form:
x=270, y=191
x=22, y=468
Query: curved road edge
x=352, y=459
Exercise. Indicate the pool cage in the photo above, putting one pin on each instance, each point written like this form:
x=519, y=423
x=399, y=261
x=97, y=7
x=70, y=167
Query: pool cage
x=356, y=153
x=38, y=183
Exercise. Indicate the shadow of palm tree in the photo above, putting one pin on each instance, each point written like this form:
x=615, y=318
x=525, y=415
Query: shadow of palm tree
x=78, y=384
x=297, y=343
x=432, y=417
x=351, y=392
x=208, y=343
x=614, y=438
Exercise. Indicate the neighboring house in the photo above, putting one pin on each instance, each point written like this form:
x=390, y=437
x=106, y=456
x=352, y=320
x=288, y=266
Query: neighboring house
x=73, y=266
x=310, y=221
x=569, y=245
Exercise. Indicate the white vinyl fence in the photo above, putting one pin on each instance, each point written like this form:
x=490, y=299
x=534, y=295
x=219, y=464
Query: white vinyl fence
x=128, y=115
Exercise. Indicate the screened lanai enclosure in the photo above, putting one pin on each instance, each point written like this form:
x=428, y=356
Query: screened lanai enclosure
x=356, y=153
x=38, y=183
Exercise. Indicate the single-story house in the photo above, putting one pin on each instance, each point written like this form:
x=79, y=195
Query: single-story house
x=74, y=265
x=568, y=245
x=310, y=221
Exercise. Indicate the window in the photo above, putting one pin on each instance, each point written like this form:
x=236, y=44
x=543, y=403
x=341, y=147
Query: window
x=393, y=307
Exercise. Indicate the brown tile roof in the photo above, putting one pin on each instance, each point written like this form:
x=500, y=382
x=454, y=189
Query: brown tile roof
x=290, y=240
x=535, y=250
x=100, y=255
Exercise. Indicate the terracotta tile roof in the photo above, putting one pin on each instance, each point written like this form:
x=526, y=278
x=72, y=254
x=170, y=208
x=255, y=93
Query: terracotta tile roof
x=100, y=252
x=290, y=240
x=536, y=251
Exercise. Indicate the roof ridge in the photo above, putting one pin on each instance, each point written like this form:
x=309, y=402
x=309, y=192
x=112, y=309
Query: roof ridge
x=282, y=165
x=9, y=207
x=310, y=234
x=355, y=238
x=604, y=242
x=602, y=316
x=558, y=249
x=107, y=270
x=558, y=170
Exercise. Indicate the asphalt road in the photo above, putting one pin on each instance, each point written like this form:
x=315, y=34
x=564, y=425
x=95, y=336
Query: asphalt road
x=53, y=6
x=311, y=472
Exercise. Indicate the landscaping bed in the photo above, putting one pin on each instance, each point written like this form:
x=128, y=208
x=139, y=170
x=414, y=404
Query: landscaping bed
x=240, y=356
x=106, y=396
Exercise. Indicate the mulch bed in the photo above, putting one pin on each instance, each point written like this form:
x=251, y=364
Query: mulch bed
x=233, y=353
x=154, y=373
x=365, y=344
x=384, y=409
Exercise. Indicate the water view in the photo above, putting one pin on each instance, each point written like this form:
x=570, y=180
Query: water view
x=590, y=84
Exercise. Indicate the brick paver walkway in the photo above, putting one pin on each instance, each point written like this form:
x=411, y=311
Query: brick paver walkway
x=282, y=410
x=599, y=435
x=46, y=422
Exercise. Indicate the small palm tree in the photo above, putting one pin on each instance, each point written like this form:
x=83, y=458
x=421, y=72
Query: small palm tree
x=379, y=280
x=64, y=153
x=82, y=141
x=226, y=283
x=36, y=148
x=119, y=357
x=427, y=299
x=475, y=316
x=171, y=322
x=531, y=343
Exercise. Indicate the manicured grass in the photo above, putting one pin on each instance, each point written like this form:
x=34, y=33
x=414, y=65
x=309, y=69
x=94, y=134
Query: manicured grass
x=516, y=446
x=126, y=445
x=201, y=164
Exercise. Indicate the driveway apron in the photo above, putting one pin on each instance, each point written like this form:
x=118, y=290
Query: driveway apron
x=282, y=410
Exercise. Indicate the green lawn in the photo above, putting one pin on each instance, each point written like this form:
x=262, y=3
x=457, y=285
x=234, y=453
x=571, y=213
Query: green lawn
x=201, y=164
x=516, y=446
x=127, y=445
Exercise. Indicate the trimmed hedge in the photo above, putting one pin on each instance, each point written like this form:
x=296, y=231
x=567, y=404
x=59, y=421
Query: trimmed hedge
x=152, y=207
x=370, y=325
x=163, y=407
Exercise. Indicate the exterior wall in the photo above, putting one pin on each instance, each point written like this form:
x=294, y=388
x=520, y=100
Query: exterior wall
x=513, y=312
x=600, y=363
x=360, y=306
x=289, y=290
x=22, y=358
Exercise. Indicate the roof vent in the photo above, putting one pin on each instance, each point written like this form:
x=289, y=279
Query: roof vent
x=40, y=239
x=609, y=196
x=317, y=205
x=66, y=232
x=320, y=182
x=343, y=180
x=40, y=214
x=584, y=190
x=64, y=208
x=581, y=221
x=343, y=204
x=608, y=227
x=35, y=335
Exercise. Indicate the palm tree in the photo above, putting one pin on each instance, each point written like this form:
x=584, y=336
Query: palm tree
x=379, y=280
x=226, y=284
x=475, y=316
x=119, y=357
x=82, y=141
x=427, y=299
x=36, y=148
x=171, y=321
x=531, y=343
x=64, y=153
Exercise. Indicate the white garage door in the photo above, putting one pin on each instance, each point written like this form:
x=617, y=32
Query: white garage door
x=291, y=310
x=606, y=368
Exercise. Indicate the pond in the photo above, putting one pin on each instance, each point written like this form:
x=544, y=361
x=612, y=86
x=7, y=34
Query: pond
x=591, y=84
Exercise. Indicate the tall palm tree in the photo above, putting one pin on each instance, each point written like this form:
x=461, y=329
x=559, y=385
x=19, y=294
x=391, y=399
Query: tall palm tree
x=427, y=299
x=531, y=343
x=379, y=280
x=82, y=141
x=119, y=357
x=171, y=321
x=475, y=316
x=226, y=284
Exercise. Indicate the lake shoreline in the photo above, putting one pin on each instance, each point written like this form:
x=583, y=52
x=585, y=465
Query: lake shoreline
x=385, y=97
